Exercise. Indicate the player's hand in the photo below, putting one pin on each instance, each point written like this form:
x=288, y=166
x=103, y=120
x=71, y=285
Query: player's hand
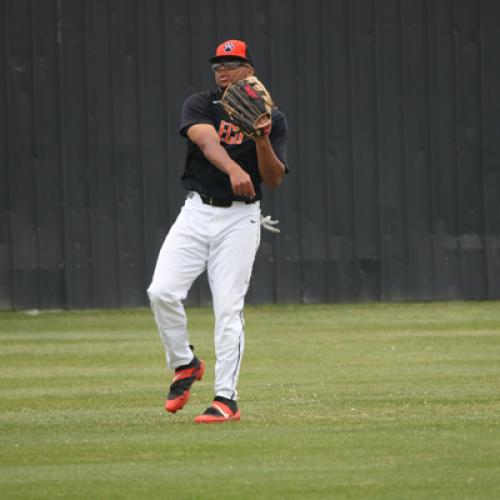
x=241, y=183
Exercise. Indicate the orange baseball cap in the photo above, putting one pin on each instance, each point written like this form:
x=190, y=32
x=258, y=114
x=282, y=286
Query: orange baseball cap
x=232, y=49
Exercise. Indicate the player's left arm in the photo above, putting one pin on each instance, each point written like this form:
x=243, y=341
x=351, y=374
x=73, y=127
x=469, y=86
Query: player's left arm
x=271, y=168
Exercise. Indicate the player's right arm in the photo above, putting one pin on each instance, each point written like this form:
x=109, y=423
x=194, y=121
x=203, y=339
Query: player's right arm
x=206, y=138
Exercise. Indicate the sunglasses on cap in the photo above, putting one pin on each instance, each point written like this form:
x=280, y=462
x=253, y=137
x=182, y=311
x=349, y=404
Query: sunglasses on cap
x=228, y=65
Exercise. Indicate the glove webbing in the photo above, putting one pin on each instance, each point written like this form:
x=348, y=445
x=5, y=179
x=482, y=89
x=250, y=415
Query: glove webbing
x=249, y=113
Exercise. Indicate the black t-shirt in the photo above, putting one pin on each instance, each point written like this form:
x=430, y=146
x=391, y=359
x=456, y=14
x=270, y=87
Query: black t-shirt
x=199, y=174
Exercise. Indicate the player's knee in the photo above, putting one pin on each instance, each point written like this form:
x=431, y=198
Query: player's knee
x=159, y=295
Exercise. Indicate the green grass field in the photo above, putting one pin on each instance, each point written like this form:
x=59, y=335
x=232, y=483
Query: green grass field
x=388, y=401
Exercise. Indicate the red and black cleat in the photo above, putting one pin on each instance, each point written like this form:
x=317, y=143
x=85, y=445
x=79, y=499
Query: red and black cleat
x=184, y=378
x=221, y=410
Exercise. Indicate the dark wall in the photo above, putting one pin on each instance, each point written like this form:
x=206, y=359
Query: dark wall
x=394, y=109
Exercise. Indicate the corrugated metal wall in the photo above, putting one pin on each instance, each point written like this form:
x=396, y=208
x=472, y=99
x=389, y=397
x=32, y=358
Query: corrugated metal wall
x=394, y=190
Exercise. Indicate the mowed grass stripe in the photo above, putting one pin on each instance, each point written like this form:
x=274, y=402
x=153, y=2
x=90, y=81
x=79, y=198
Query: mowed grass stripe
x=341, y=401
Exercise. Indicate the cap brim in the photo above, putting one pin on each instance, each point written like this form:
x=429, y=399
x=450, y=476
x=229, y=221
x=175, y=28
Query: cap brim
x=215, y=59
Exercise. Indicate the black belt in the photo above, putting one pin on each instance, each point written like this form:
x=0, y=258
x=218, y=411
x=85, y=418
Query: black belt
x=219, y=202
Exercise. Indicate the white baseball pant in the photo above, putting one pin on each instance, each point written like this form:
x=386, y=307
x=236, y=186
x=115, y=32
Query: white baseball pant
x=224, y=241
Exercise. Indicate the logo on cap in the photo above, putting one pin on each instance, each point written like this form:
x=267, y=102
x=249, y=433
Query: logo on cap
x=228, y=46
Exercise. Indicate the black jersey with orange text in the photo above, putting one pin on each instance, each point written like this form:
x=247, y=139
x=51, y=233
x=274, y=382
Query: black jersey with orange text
x=199, y=174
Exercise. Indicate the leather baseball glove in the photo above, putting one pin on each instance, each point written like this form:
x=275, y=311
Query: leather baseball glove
x=249, y=106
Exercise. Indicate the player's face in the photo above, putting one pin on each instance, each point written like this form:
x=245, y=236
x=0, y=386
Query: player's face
x=231, y=72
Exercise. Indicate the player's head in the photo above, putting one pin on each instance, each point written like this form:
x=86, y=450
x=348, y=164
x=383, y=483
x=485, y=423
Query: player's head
x=232, y=61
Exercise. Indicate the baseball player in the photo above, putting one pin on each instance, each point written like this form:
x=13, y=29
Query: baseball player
x=217, y=230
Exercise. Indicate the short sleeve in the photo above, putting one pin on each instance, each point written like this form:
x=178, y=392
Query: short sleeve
x=196, y=109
